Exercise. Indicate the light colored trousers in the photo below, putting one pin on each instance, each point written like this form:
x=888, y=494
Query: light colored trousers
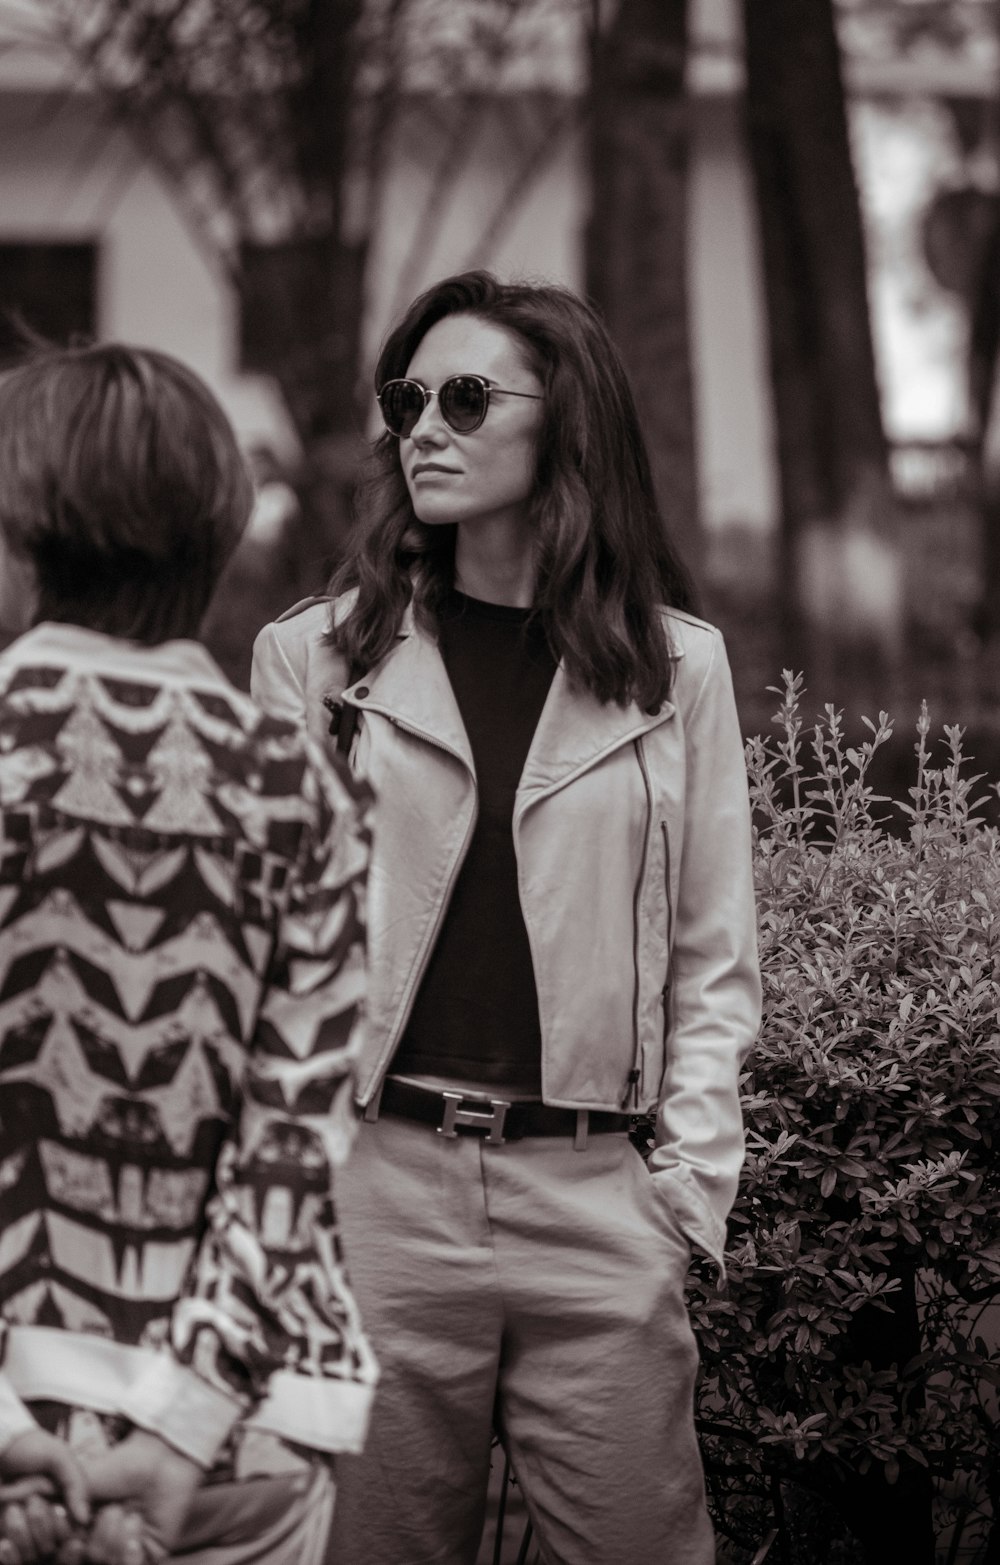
x=541, y=1288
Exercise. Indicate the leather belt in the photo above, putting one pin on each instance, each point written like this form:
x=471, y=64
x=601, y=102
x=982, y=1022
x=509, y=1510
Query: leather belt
x=499, y=1119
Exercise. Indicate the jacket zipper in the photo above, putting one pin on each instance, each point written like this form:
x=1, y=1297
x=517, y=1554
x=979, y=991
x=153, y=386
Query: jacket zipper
x=343, y=726
x=666, y=881
x=428, y=946
x=670, y=917
x=635, y=1074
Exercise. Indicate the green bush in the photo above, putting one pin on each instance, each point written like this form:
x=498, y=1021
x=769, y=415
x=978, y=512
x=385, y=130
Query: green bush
x=845, y=1359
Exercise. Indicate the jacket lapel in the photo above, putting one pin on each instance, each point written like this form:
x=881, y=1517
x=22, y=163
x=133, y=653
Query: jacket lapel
x=574, y=732
x=411, y=687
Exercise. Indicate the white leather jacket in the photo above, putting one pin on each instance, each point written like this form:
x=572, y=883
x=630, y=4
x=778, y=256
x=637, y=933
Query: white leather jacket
x=632, y=836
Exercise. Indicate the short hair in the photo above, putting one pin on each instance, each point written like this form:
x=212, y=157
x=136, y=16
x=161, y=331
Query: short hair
x=605, y=562
x=122, y=482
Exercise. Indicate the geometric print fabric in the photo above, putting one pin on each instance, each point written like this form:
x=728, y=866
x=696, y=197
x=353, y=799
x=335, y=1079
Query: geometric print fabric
x=181, y=975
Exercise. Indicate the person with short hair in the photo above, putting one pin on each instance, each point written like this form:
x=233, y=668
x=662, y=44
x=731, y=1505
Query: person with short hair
x=562, y=937
x=181, y=995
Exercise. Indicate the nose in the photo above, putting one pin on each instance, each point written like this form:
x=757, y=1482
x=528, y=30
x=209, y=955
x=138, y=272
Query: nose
x=430, y=426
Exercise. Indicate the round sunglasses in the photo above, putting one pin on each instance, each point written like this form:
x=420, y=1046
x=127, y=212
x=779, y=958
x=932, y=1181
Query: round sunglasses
x=464, y=401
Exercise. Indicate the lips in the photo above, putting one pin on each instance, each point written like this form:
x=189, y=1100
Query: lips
x=431, y=469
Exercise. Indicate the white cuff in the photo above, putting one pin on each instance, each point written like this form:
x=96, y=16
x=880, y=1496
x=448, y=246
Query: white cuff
x=173, y=1402
x=679, y=1189
x=320, y=1412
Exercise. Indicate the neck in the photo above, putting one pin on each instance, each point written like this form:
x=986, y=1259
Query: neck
x=494, y=561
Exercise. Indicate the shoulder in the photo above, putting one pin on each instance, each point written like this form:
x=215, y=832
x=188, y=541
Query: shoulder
x=699, y=652
x=305, y=622
x=301, y=607
x=294, y=666
x=687, y=629
x=693, y=641
x=310, y=618
x=299, y=636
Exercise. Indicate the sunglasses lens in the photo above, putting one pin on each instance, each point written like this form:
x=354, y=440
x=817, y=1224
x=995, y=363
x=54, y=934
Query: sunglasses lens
x=402, y=403
x=462, y=400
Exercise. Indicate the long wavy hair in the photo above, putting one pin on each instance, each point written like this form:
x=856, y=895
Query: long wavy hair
x=604, y=562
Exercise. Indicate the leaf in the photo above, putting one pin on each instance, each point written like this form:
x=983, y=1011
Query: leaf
x=877, y=1065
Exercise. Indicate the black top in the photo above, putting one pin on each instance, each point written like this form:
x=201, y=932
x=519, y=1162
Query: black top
x=476, y=1011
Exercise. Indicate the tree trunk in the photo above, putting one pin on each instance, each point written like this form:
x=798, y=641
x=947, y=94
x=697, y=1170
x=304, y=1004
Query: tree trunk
x=306, y=298
x=637, y=235
x=326, y=150
x=841, y=591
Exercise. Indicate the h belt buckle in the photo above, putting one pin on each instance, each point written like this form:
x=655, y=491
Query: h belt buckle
x=474, y=1119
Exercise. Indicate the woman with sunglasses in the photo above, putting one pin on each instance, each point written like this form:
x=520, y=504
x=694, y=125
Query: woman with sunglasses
x=561, y=936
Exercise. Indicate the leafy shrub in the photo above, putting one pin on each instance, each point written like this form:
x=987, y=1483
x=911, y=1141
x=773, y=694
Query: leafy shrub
x=845, y=1356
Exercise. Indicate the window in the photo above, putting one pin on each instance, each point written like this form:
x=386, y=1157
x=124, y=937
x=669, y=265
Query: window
x=52, y=288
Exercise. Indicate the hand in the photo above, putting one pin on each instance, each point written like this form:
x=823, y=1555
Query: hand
x=35, y=1527
x=155, y=1484
x=36, y=1508
x=119, y=1536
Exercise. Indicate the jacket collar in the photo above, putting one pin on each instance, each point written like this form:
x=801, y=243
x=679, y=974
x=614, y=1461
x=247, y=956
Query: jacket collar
x=88, y=650
x=411, y=687
x=575, y=730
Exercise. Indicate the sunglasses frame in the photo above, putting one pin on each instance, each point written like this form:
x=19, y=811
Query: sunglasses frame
x=486, y=387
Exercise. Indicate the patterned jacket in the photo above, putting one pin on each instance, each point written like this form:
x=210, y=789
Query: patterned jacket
x=181, y=982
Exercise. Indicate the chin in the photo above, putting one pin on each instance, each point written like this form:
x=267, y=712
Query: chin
x=432, y=517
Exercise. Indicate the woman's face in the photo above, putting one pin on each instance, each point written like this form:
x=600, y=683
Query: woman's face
x=487, y=475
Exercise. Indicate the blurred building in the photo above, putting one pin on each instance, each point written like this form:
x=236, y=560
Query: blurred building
x=92, y=241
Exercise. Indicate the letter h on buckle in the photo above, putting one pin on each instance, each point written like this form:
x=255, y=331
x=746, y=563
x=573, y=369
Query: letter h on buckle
x=474, y=1119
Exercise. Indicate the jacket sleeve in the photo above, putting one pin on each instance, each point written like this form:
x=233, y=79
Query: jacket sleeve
x=276, y=683
x=714, y=995
x=266, y=1324
x=295, y=672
